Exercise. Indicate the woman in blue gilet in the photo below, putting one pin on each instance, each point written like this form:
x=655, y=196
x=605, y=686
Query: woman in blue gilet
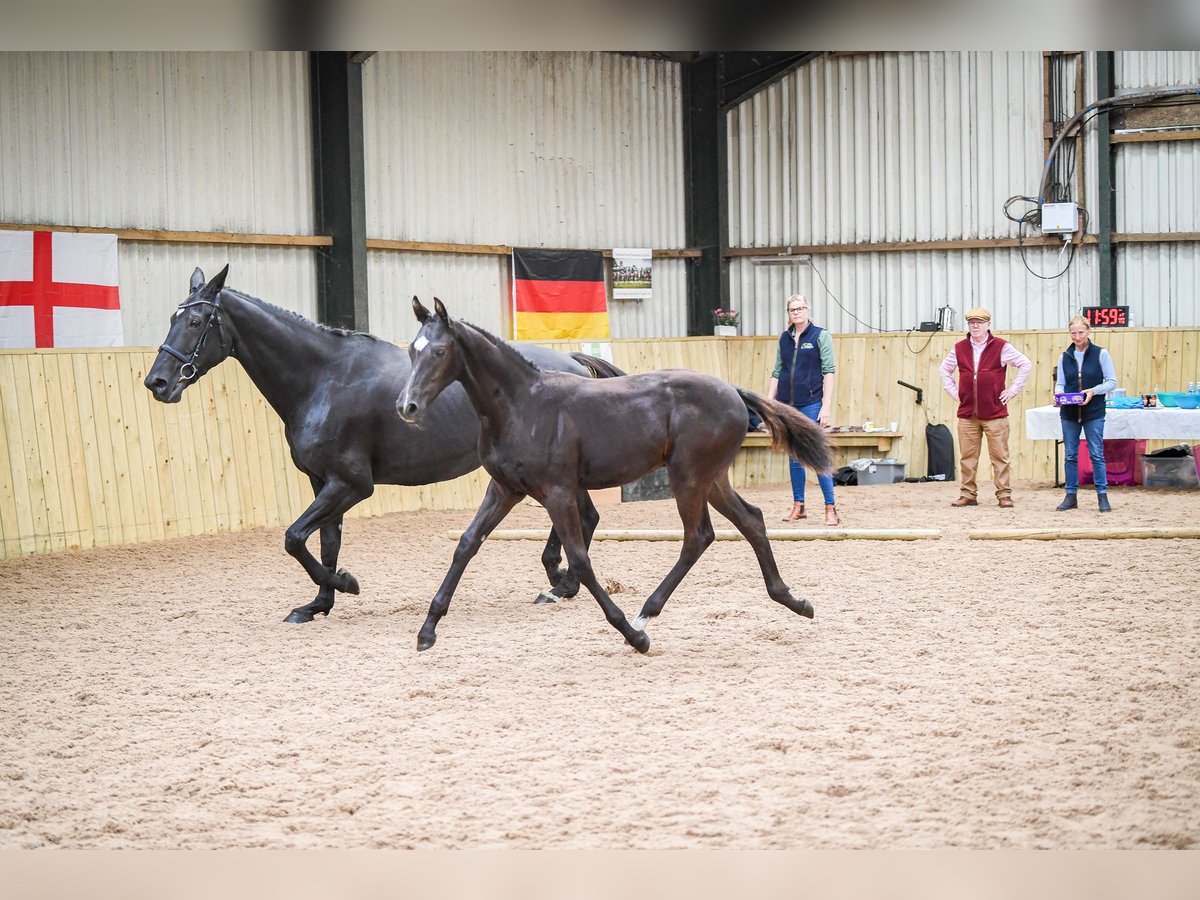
x=1084, y=369
x=803, y=378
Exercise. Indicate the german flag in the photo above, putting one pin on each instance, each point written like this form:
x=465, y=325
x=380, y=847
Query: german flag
x=559, y=294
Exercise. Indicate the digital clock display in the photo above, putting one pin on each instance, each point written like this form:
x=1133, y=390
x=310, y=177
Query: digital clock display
x=1107, y=316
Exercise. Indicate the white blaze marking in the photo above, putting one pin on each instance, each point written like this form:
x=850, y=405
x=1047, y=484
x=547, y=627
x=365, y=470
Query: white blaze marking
x=420, y=343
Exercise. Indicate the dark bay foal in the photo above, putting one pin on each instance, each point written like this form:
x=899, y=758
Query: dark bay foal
x=552, y=436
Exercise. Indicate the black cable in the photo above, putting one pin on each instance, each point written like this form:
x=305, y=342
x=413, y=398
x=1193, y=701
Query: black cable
x=839, y=302
x=908, y=334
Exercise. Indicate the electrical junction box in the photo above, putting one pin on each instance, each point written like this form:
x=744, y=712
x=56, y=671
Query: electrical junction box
x=1060, y=218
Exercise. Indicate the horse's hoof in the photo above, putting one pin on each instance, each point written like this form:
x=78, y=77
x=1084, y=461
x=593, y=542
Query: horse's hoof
x=424, y=643
x=641, y=642
x=297, y=616
x=806, y=609
x=349, y=582
x=545, y=597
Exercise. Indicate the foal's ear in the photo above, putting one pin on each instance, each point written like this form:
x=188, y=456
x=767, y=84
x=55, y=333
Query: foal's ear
x=420, y=311
x=197, y=281
x=441, y=310
x=214, y=287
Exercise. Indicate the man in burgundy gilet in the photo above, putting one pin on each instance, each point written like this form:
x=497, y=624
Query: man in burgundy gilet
x=982, y=360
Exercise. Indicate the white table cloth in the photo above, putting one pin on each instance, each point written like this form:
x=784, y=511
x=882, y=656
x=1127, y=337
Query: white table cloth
x=1160, y=423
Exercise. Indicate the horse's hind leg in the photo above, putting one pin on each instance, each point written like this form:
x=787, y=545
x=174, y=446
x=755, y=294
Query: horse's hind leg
x=332, y=500
x=497, y=503
x=563, y=582
x=564, y=513
x=697, y=535
x=749, y=521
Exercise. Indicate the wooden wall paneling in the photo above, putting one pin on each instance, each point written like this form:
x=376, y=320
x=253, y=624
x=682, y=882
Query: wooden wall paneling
x=264, y=501
x=255, y=455
x=91, y=434
x=109, y=388
x=227, y=458
x=70, y=440
x=205, y=447
x=55, y=501
x=111, y=465
x=33, y=497
x=165, y=462
x=136, y=401
x=17, y=517
x=185, y=479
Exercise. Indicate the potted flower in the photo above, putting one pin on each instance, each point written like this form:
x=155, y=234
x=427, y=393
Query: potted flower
x=725, y=322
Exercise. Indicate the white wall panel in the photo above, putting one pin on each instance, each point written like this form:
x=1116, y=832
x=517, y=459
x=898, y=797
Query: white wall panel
x=907, y=147
x=896, y=291
x=538, y=149
x=1160, y=283
x=174, y=141
x=886, y=147
x=187, y=141
x=1158, y=190
x=154, y=280
x=1157, y=68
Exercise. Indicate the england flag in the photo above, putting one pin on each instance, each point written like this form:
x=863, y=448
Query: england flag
x=59, y=289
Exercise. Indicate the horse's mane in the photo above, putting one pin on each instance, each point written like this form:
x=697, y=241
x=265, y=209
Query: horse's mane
x=291, y=313
x=503, y=346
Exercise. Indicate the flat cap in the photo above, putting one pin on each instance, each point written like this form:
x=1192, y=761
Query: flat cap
x=978, y=313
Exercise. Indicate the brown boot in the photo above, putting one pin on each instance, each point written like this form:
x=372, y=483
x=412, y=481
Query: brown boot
x=831, y=515
x=796, y=513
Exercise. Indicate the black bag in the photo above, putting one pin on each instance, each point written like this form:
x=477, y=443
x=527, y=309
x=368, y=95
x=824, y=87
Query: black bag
x=846, y=475
x=940, y=445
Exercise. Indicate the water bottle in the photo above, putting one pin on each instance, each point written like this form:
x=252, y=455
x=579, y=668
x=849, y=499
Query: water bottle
x=1191, y=387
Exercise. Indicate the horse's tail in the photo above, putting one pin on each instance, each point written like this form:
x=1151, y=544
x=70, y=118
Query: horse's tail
x=600, y=368
x=796, y=434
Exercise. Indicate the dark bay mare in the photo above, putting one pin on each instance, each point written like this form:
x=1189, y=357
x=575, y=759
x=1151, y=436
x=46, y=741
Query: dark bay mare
x=336, y=393
x=547, y=436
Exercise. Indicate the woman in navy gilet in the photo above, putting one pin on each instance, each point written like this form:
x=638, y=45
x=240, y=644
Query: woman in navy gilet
x=1084, y=369
x=803, y=378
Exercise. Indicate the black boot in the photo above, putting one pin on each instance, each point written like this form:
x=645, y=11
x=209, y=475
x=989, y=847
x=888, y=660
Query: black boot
x=1069, y=502
x=1104, y=504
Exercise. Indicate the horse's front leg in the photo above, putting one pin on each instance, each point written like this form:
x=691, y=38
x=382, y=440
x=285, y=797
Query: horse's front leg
x=334, y=498
x=497, y=503
x=564, y=513
x=563, y=582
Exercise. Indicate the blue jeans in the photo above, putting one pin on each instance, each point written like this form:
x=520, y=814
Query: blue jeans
x=1094, y=431
x=797, y=471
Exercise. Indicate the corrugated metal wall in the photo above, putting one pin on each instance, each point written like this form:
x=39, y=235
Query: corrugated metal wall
x=1158, y=190
x=540, y=149
x=927, y=146
x=585, y=149
x=173, y=141
x=192, y=142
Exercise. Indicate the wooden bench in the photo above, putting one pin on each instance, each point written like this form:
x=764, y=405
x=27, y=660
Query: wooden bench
x=875, y=441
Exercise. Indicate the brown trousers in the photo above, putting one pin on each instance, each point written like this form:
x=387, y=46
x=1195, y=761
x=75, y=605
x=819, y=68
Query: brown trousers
x=970, y=442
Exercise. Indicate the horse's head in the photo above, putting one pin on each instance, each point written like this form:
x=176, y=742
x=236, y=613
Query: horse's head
x=436, y=361
x=195, y=342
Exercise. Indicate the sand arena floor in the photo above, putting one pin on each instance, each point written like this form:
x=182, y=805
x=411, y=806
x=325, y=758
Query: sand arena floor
x=949, y=693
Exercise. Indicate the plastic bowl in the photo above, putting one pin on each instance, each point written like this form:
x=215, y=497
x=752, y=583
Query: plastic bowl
x=1170, y=398
x=1188, y=401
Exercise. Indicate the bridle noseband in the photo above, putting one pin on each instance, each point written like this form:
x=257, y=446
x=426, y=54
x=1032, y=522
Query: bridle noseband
x=189, y=362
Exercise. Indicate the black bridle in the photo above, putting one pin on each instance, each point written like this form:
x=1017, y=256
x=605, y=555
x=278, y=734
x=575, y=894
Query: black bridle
x=189, y=362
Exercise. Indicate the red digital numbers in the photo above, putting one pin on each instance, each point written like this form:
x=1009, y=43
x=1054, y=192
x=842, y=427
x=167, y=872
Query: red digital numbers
x=1107, y=316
